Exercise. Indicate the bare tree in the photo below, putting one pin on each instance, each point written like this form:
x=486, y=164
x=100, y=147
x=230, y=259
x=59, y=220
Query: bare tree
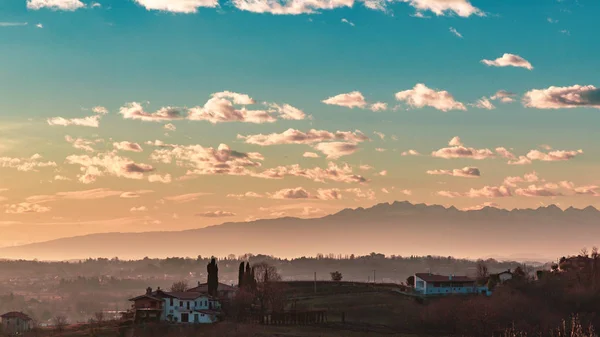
x=482, y=272
x=269, y=291
x=179, y=286
x=60, y=322
x=99, y=317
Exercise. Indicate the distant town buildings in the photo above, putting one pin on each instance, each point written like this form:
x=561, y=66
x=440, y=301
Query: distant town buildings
x=428, y=284
x=15, y=323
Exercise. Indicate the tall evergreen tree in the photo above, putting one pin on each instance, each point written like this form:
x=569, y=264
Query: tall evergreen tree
x=241, y=275
x=213, y=277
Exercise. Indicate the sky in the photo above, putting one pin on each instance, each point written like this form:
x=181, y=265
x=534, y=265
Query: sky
x=153, y=115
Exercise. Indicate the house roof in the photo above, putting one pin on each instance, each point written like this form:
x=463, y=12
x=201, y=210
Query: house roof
x=16, y=314
x=186, y=295
x=145, y=296
x=442, y=278
x=505, y=272
x=203, y=288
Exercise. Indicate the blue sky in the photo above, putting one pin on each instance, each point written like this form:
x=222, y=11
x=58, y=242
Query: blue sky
x=115, y=52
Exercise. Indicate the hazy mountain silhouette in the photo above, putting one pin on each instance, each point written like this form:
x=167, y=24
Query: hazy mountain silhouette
x=399, y=228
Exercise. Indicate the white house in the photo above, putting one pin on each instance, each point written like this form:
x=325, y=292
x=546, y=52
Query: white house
x=429, y=284
x=505, y=276
x=16, y=323
x=177, y=307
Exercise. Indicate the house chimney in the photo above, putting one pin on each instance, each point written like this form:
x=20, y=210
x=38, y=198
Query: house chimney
x=158, y=289
x=148, y=291
x=198, y=283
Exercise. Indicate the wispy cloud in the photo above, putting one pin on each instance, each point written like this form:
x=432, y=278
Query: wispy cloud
x=455, y=32
x=13, y=24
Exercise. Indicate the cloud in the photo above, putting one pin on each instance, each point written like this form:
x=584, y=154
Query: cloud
x=245, y=195
x=410, y=153
x=292, y=7
x=128, y=146
x=383, y=173
x=467, y=172
x=291, y=193
x=365, y=167
x=170, y=127
x=588, y=189
x=328, y=194
x=551, y=20
x=80, y=143
x=93, y=194
x=406, y=192
x=547, y=190
x=139, y=209
x=216, y=214
x=287, y=111
x=348, y=22
x=350, y=100
x=576, y=96
x=63, y=5
x=522, y=160
x=529, y=177
x=380, y=134
x=360, y=194
x=310, y=155
x=460, y=151
x=12, y=24
x=380, y=149
x=332, y=172
x=484, y=192
x=378, y=106
x=183, y=198
x=504, y=96
x=484, y=103
x=25, y=164
x=63, y=178
x=481, y=206
x=455, y=141
x=421, y=96
x=509, y=60
x=558, y=155
x=177, y=6
x=26, y=207
x=220, y=108
x=455, y=32
x=462, y=8
x=100, y=110
x=96, y=5
x=107, y=164
x=207, y=160
x=39, y=25
x=292, y=136
x=90, y=121
x=157, y=178
x=335, y=150
x=135, y=110
x=307, y=211
x=135, y=194
x=503, y=152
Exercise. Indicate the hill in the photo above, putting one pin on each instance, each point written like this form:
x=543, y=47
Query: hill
x=390, y=228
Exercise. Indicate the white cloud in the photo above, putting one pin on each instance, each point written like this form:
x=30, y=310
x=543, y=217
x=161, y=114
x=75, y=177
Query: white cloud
x=362, y=194
x=348, y=22
x=291, y=7
x=287, y=111
x=484, y=192
x=378, y=106
x=292, y=136
x=25, y=164
x=410, y=153
x=63, y=5
x=422, y=96
x=558, y=155
x=455, y=32
x=245, y=195
x=310, y=155
x=39, y=25
x=455, y=141
x=90, y=121
x=350, y=100
x=509, y=60
x=332, y=172
x=157, y=178
x=100, y=110
x=170, y=127
x=547, y=190
x=177, y=6
x=291, y=193
x=334, y=150
x=109, y=164
x=139, y=209
x=135, y=110
x=80, y=143
x=380, y=149
x=522, y=160
x=529, y=177
x=220, y=108
x=481, y=206
x=576, y=96
x=183, y=198
x=460, y=151
x=63, y=178
x=12, y=24
x=484, y=103
x=128, y=146
x=503, y=96
x=26, y=207
x=468, y=172
x=380, y=134
x=462, y=8
x=216, y=214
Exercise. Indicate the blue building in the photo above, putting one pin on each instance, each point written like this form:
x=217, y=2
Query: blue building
x=428, y=284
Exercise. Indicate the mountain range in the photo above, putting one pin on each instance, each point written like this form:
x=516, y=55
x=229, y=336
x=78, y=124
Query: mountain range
x=399, y=228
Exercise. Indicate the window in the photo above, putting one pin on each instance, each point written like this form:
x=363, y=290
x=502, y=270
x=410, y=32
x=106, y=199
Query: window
x=196, y=318
x=181, y=303
x=171, y=301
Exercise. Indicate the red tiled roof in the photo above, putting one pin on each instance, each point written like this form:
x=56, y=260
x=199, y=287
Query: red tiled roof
x=186, y=295
x=16, y=314
x=442, y=278
x=145, y=296
x=203, y=287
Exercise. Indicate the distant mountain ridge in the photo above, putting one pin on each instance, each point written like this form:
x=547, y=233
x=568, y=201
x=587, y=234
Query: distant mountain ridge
x=399, y=228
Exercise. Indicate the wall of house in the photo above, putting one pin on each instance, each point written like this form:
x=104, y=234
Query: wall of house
x=181, y=306
x=146, y=303
x=449, y=290
x=420, y=285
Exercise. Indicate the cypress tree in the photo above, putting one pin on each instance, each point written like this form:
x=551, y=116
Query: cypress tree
x=241, y=275
x=213, y=277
